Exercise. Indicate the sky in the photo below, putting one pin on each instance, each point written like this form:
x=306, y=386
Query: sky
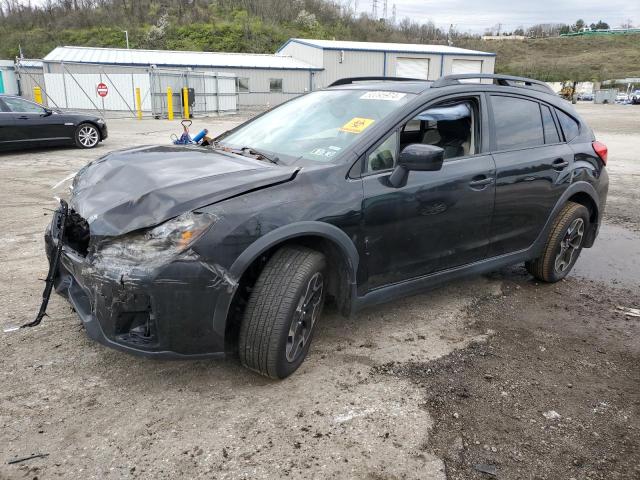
x=476, y=16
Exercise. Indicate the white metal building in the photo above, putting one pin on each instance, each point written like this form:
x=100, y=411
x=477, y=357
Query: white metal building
x=263, y=79
x=339, y=59
x=300, y=65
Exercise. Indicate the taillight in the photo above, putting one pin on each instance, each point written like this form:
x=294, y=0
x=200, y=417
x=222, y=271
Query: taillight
x=601, y=150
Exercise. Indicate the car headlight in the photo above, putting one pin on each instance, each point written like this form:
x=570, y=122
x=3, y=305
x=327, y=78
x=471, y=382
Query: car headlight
x=159, y=243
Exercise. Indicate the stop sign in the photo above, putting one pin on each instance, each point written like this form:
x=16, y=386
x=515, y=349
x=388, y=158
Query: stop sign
x=102, y=89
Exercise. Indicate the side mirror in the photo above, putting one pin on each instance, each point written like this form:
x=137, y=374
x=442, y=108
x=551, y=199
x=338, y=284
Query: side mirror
x=47, y=112
x=419, y=157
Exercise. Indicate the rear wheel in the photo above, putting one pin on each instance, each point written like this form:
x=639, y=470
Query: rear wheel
x=563, y=246
x=284, y=306
x=87, y=135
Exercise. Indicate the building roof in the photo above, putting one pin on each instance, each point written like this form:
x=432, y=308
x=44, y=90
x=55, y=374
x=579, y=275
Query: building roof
x=174, y=58
x=385, y=47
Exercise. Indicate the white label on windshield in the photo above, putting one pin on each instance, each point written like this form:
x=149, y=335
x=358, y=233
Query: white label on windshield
x=380, y=95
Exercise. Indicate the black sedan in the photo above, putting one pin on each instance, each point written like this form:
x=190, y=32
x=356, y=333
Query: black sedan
x=25, y=124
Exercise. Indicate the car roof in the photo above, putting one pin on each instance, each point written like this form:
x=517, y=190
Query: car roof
x=413, y=86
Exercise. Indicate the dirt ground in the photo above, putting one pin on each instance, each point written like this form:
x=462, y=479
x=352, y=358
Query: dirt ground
x=440, y=385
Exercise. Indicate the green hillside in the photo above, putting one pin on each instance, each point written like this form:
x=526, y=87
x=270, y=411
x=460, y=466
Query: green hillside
x=261, y=26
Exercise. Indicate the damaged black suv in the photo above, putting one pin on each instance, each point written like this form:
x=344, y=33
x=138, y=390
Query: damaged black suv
x=369, y=190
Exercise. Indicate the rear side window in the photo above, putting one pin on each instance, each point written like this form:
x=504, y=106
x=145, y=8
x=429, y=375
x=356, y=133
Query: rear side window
x=518, y=123
x=570, y=126
x=550, y=130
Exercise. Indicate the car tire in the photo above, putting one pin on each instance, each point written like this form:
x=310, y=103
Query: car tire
x=283, y=308
x=87, y=135
x=563, y=245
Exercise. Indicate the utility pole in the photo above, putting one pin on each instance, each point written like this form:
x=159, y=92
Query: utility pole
x=374, y=9
x=393, y=14
x=499, y=28
x=384, y=9
x=126, y=37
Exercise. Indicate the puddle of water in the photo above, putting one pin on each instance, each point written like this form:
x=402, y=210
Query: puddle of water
x=614, y=258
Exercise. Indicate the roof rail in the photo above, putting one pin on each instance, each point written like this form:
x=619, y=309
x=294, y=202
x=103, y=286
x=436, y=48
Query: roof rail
x=504, y=80
x=350, y=80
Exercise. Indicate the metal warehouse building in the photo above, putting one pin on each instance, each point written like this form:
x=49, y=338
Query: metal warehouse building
x=338, y=59
x=224, y=82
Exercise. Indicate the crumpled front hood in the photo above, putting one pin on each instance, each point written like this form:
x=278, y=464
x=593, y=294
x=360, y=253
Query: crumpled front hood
x=138, y=188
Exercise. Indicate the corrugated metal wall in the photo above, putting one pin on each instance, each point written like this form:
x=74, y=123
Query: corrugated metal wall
x=348, y=63
x=294, y=83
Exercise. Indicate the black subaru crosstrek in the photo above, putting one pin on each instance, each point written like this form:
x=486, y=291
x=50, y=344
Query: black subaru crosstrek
x=366, y=191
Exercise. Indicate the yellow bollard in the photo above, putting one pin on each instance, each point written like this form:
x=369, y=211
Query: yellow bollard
x=138, y=103
x=185, y=101
x=37, y=95
x=169, y=103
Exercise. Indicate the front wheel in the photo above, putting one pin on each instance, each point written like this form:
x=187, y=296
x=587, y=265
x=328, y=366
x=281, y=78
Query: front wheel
x=284, y=306
x=563, y=245
x=87, y=135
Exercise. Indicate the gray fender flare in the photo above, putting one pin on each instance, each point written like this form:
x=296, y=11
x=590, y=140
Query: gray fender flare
x=274, y=237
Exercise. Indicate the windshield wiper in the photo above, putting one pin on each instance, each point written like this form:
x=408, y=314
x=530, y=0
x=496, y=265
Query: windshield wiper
x=255, y=152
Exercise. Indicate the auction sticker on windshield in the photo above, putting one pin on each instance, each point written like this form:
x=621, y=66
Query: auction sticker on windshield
x=357, y=125
x=380, y=95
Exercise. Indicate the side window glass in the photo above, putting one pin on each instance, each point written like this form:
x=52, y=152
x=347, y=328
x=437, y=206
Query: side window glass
x=518, y=123
x=18, y=105
x=384, y=156
x=569, y=126
x=550, y=130
x=450, y=126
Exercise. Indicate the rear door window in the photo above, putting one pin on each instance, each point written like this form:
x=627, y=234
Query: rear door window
x=569, y=125
x=550, y=130
x=517, y=123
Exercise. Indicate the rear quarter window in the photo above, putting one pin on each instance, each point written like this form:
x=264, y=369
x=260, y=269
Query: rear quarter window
x=570, y=126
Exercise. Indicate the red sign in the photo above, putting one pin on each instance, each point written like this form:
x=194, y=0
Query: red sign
x=102, y=89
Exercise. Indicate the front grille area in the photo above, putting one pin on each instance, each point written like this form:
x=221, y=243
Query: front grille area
x=76, y=233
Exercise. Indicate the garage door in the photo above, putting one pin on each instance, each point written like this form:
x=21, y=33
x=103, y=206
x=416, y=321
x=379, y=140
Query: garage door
x=412, y=67
x=466, y=66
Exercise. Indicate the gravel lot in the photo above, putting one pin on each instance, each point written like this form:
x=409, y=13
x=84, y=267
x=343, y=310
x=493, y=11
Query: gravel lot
x=439, y=385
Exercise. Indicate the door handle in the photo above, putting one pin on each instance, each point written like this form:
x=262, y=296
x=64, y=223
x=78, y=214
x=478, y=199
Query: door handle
x=23, y=117
x=480, y=183
x=560, y=163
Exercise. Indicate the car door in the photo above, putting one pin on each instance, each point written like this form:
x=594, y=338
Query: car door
x=437, y=220
x=33, y=122
x=533, y=170
x=6, y=126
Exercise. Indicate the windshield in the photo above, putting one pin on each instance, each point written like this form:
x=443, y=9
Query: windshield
x=316, y=126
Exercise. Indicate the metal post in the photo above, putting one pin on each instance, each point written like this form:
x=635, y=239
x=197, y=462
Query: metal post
x=169, y=103
x=185, y=101
x=217, y=96
x=138, y=103
x=37, y=95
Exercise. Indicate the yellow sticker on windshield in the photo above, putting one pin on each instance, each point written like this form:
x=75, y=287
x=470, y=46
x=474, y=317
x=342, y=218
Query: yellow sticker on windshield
x=357, y=125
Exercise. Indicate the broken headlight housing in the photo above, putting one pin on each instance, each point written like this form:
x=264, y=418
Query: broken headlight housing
x=162, y=242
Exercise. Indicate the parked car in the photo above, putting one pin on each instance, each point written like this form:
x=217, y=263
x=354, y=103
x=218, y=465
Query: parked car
x=357, y=194
x=635, y=97
x=622, y=98
x=25, y=124
x=585, y=97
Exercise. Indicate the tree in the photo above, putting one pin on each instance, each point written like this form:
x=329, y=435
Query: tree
x=599, y=26
x=627, y=23
x=579, y=25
